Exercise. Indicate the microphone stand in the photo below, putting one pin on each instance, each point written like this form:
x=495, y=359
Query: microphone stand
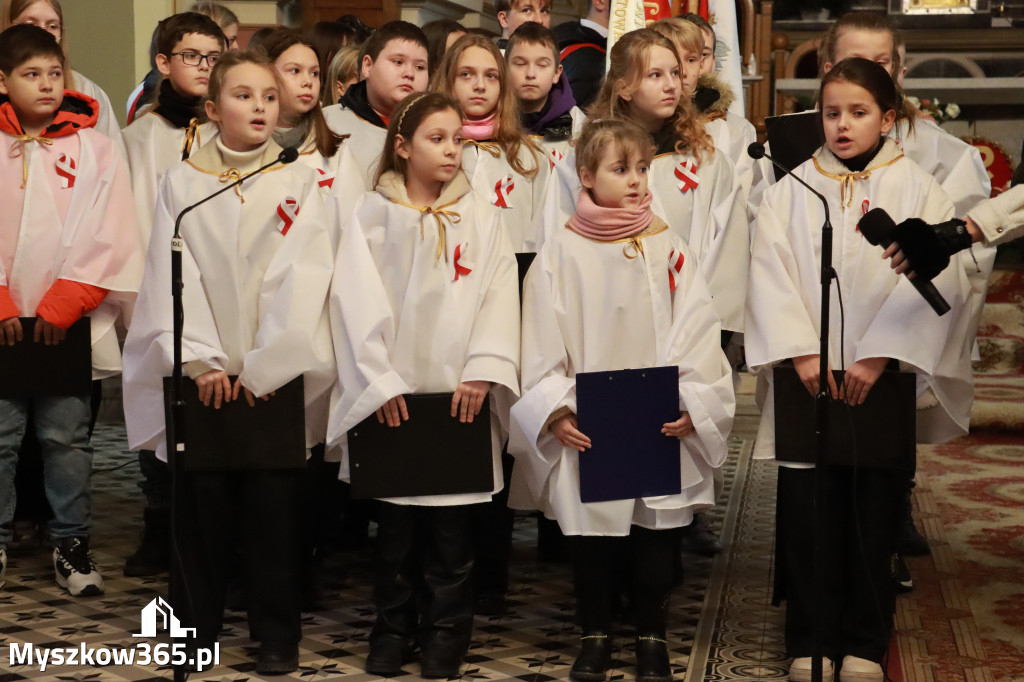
x=176, y=439
x=821, y=425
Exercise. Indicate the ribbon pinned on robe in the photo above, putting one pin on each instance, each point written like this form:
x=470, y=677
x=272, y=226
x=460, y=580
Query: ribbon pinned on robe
x=460, y=270
x=66, y=170
x=232, y=175
x=287, y=211
x=325, y=179
x=686, y=173
x=502, y=189
x=18, y=149
x=675, y=266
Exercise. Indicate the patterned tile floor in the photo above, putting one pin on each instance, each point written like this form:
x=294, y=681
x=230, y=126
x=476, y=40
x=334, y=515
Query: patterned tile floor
x=728, y=635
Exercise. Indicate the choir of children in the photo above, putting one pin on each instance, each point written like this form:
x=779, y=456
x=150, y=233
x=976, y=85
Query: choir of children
x=383, y=264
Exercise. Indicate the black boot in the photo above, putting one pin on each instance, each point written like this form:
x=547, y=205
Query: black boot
x=388, y=653
x=154, y=553
x=594, y=659
x=910, y=542
x=652, y=659
x=699, y=538
x=446, y=624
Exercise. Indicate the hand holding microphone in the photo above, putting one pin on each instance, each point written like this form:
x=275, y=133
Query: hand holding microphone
x=923, y=250
x=880, y=230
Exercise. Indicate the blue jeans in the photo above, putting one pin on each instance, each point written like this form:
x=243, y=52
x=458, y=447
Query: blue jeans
x=62, y=428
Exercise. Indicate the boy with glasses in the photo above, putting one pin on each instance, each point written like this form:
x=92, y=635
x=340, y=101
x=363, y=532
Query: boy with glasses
x=188, y=45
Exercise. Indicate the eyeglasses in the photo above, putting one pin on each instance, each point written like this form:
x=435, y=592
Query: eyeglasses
x=195, y=58
x=52, y=27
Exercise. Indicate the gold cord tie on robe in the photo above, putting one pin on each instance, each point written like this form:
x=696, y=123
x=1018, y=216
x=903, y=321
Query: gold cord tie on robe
x=232, y=175
x=18, y=149
x=846, y=179
x=438, y=213
x=492, y=148
x=638, y=247
x=190, y=138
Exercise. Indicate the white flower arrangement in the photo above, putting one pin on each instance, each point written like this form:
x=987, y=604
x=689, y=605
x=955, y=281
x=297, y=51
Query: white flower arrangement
x=932, y=108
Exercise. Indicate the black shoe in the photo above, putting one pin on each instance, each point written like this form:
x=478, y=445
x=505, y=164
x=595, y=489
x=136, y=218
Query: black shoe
x=154, y=553
x=652, y=659
x=388, y=653
x=278, y=659
x=440, y=660
x=698, y=538
x=594, y=659
x=909, y=541
x=900, y=573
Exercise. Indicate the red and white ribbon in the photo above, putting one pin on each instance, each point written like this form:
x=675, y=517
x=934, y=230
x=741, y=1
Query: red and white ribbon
x=865, y=206
x=554, y=156
x=66, y=171
x=460, y=270
x=325, y=179
x=686, y=172
x=287, y=211
x=502, y=189
x=675, y=266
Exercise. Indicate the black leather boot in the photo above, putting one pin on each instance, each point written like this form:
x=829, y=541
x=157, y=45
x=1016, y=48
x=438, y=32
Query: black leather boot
x=652, y=659
x=591, y=664
x=154, y=553
x=447, y=620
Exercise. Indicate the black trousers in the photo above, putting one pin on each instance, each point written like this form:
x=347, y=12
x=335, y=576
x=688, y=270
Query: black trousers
x=650, y=555
x=423, y=586
x=492, y=538
x=859, y=598
x=243, y=525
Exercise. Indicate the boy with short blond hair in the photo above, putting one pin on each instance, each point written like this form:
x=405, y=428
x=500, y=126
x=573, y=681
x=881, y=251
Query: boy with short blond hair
x=69, y=247
x=187, y=46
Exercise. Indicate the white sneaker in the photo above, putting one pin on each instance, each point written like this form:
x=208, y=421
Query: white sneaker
x=800, y=671
x=74, y=569
x=3, y=566
x=860, y=670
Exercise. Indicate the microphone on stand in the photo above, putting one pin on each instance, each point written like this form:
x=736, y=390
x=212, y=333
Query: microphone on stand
x=755, y=150
x=879, y=229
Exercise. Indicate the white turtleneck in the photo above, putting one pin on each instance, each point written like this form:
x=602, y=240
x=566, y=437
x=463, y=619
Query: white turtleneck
x=244, y=162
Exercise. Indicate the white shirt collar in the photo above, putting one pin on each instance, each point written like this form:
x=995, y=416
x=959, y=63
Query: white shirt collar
x=603, y=30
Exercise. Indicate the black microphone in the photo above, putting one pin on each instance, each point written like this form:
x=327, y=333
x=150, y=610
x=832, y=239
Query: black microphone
x=878, y=228
x=755, y=150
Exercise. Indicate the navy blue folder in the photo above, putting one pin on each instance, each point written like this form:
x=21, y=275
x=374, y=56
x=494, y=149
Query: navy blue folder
x=432, y=453
x=241, y=437
x=622, y=412
x=880, y=432
x=30, y=370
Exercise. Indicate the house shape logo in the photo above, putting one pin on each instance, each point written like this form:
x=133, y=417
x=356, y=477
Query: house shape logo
x=159, y=610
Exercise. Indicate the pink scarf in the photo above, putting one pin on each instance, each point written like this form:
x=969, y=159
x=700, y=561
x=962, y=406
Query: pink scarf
x=609, y=224
x=482, y=129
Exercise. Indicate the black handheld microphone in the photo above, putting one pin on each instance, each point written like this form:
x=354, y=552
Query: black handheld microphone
x=878, y=228
x=755, y=150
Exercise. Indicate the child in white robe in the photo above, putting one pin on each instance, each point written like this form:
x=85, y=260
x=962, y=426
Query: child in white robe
x=503, y=165
x=424, y=300
x=257, y=264
x=693, y=185
x=69, y=247
x=188, y=45
x=302, y=123
x=885, y=321
x=617, y=266
x=394, y=64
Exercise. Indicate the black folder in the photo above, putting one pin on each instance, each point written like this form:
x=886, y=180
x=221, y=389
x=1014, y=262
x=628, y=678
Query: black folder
x=239, y=436
x=432, y=453
x=622, y=412
x=523, y=261
x=30, y=370
x=880, y=433
x=794, y=138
